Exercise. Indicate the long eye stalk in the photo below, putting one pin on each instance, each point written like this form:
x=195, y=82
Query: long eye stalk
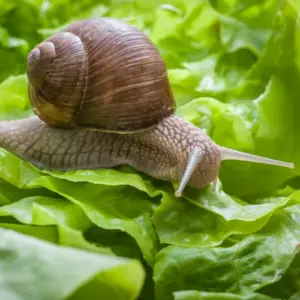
x=230, y=154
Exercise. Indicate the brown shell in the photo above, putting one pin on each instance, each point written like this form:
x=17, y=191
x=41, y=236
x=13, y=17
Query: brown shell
x=99, y=73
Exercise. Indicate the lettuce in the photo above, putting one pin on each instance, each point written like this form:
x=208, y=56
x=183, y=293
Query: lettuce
x=35, y=269
x=195, y=295
x=234, y=69
x=226, y=268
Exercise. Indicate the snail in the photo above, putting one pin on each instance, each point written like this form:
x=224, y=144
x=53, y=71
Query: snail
x=101, y=98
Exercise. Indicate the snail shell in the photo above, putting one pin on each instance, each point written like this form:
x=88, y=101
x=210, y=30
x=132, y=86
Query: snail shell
x=99, y=73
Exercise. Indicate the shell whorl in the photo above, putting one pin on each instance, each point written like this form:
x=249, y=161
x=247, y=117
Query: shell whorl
x=57, y=76
x=99, y=73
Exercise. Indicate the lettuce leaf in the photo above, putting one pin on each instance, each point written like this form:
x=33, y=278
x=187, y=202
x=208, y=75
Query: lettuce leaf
x=195, y=295
x=37, y=269
x=246, y=266
x=119, y=208
x=211, y=219
x=288, y=285
x=44, y=211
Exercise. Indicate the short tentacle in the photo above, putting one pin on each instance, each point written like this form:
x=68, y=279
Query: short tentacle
x=193, y=160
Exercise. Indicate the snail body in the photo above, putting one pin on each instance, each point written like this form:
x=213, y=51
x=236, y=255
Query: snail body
x=102, y=98
x=160, y=152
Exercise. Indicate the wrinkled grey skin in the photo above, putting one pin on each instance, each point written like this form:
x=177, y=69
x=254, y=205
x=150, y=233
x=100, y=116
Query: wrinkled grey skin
x=160, y=152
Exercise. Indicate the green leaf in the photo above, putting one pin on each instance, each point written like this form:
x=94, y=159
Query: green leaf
x=110, y=177
x=295, y=296
x=168, y=17
x=256, y=261
x=289, y=284
x=43, y=211
x=46, y=233
x=275, y=133
x=14, y=99
x=196, y=295
x=10, y=193
x=211, y=220
x=120, y=208
x=208, y=218
x=113, y=241
x=63, y=272
x=223, y=122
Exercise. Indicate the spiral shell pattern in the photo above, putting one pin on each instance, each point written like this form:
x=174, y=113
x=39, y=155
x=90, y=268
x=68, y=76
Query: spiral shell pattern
x=102, y=74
